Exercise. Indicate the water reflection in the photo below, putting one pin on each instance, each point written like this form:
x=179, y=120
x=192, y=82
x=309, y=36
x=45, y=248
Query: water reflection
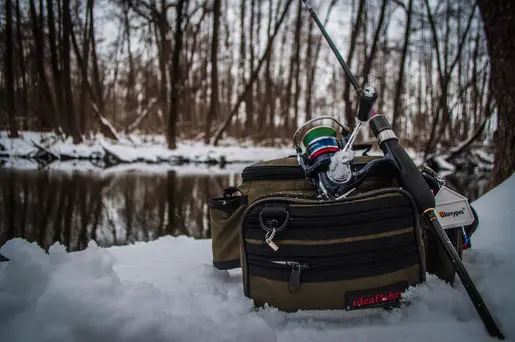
x=119, y=208
x=112, y=209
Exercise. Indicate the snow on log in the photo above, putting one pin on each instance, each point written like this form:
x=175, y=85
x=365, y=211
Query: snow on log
x=112, y=158
x=44, y=154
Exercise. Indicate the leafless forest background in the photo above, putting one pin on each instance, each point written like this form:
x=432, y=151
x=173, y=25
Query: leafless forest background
x=203, y=68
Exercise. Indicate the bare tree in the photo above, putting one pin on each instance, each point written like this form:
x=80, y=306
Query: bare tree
x=498, y=22
x=175, y=77
x=400, y=80
x=213, y=110
x=9, y=76
x=349, y=113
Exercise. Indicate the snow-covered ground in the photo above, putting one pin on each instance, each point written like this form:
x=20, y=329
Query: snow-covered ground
x=167, y=290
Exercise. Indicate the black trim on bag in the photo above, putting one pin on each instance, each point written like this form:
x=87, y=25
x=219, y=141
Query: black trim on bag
x=295, y=172
x=272, y=172
x=363, y=246
x=318, y=272
x=334, y=209
x=227, y=265
x=326, y=232
x=315, y=229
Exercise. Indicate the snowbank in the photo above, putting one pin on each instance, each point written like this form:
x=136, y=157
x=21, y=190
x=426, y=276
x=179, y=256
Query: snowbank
x=166, y=290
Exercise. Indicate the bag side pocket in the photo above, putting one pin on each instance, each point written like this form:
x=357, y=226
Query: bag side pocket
x=225, y=215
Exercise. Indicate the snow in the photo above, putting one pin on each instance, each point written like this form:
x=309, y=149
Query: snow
x=167, y=290
x=144, y=149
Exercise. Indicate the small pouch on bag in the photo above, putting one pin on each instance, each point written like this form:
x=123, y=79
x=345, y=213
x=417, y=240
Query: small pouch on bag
x=225, y=214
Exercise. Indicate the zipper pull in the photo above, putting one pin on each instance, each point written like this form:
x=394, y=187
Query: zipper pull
x=294, y=283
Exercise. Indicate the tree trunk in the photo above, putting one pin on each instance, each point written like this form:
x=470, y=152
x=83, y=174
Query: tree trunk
x=400, y=80
x=9, y=74
x=241, y=63
x=164, y=53
x=292, y=71
x=269, y=94
x=249, y=101
x=37, y=31
x=54, y=60
x=130, y=99
x=21, y=57
x=67, y=82
x=84, y=67
x=498, y=22
x=297, y=67
x=214, y=105
x=349, y=112
x=312, y=64
x=367, y=67
x=175, y=77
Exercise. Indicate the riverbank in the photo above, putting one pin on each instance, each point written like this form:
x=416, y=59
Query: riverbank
x=34, y=149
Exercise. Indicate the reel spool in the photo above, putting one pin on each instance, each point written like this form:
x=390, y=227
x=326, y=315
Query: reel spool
x=321, y=138
x=320, y=141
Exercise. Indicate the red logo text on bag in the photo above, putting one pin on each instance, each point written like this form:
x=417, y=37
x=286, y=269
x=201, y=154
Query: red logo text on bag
x=383, y=296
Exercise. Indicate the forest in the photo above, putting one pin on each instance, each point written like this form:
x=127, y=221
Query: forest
x=208, y=69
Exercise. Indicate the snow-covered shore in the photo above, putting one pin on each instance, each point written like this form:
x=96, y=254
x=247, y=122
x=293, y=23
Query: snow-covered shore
x=23, y=152
x=167, y=290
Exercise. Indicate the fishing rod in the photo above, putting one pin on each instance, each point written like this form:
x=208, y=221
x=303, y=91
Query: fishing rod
x=409, y=175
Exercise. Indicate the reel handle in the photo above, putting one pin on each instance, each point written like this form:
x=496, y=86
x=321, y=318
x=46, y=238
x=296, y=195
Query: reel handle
x=367, y=101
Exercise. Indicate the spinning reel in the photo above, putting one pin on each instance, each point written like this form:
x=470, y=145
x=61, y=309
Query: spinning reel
x=325, y=152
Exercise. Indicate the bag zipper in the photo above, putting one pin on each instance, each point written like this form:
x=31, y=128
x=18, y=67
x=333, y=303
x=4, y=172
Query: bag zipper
x=296, y=269
x=335, y=262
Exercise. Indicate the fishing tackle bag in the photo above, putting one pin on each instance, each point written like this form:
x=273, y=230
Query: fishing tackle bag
x=276, y=182
x=278, y=176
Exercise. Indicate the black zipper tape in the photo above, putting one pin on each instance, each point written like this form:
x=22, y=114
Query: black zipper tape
x=339, y=259
x=363, y=246
x=310, y=228
x=317, y=231
x=352, y=209
x=334, y=269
